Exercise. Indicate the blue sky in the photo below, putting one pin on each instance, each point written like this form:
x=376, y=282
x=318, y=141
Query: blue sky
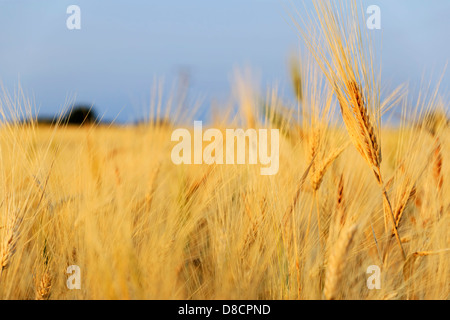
x=123, y=45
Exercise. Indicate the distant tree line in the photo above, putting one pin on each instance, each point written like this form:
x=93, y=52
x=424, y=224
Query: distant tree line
x=77, y=115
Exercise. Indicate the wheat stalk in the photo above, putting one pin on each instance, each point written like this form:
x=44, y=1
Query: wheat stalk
x=342, y=58
x=336, y=262
x=366, y=142
x=406, y=197
x=408, y=266
x=319, y=173
x=44, y=286
x=338, y=218
x=297, y=193
x=8, y=247
x=437, y=170
x=437, y=165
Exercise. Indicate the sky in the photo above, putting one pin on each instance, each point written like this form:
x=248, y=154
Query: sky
x=124, y=47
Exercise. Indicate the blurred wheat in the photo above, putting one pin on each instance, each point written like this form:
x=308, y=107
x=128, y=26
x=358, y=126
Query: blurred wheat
x=109, y=199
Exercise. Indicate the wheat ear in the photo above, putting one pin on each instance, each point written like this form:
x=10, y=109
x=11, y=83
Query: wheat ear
x=336, y=262
x=8, y=247
x=319, y=173
x=363, y=136
x=44, y=286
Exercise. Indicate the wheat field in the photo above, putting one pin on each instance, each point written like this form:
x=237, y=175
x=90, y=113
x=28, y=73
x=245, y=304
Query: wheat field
x=354, y=189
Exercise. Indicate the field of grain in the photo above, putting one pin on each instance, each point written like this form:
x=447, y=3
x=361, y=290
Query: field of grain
x=353, y=191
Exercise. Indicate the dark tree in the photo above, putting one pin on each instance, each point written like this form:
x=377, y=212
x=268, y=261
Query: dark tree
x=80, y=115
